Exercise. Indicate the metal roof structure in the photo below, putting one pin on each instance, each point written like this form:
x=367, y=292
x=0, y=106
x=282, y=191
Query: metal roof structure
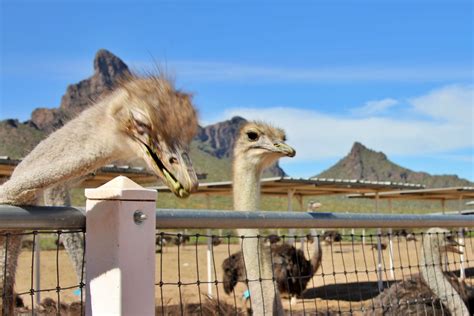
x=281, y=186
x=437, y=194
x=103, y=175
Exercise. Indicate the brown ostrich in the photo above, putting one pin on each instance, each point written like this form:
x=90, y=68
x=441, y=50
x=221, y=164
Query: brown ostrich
x=272, y=239
x=291, y=268
x=145, y=117
x=331, y=236
x=216, y=241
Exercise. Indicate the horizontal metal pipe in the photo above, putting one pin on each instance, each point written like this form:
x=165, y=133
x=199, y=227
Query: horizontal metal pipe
x=52, y=218
x=41, y=217
x=166, y=218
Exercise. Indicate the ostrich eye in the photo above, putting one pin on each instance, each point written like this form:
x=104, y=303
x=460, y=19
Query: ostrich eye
x=252, y=136
x=141, y=127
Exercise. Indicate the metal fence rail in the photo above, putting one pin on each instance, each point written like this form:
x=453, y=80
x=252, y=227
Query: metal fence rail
x=35, y=217
x=355, y=264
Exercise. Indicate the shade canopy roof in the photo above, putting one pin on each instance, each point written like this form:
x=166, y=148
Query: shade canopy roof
x=280, y=186
x=452, y=193
x=103, y=175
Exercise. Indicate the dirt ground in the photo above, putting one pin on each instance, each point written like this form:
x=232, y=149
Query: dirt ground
x=346, y=281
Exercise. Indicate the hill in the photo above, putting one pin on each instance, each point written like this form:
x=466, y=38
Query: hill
x=365, y=163
x=211, y=150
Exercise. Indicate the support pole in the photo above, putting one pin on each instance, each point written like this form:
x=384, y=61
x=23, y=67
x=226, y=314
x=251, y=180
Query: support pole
x=390, y=243
x=120, y=256
x=291, y=231
x=462, y=271
x=299, y=198
x=37, y=269
x=209, y=252
x=379, y=247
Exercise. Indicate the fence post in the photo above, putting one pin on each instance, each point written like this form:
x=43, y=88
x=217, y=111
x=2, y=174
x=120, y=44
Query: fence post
x=120, y=254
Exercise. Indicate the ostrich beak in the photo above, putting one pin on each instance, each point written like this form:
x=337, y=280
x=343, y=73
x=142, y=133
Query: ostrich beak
x=453, y=246
x=174, y=167
x=284, y=149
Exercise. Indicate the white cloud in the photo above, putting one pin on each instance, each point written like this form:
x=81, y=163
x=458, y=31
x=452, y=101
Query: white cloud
x=375, y=107
x=451, y=103
x=318, y=136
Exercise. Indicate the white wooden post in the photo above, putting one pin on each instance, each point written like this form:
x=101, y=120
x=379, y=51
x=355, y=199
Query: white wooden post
x=120, y=256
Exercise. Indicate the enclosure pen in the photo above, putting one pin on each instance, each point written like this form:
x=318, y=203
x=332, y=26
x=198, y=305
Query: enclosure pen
x=345, y=282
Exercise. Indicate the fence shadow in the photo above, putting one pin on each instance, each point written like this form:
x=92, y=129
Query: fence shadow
x=354, y=292
x=357, y=291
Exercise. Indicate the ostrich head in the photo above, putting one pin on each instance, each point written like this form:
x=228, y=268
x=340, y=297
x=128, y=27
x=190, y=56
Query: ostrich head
x=159, y=122
x=441, y=240
x=261, y=145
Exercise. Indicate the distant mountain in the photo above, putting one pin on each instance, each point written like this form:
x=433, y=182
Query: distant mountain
x=367, y=164
x=211, y=150
x=18, y=139
x=108, y=69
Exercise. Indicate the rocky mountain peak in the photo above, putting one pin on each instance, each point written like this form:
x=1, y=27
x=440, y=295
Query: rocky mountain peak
x=108, y=69
x=359, y=151
x=367, y=164
x=218, y=139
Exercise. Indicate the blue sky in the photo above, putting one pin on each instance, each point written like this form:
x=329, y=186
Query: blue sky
x=397, y=76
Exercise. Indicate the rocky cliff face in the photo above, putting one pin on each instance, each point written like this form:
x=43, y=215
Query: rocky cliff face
x=364, y=163
x=218, y=140
x=108, y=69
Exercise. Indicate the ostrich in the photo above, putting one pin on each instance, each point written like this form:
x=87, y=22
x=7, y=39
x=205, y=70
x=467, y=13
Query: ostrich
x=313, y=206
x=257, y=146
x=216, y=240
x=330, y=236
x=416, y=295
x=291, y=268
x=272, y=239
x=181, y=239
x=383, y=246
x=145, y=117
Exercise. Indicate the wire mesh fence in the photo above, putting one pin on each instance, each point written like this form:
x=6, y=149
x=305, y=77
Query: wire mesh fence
x=45, y=283
x=201, y=271
x=318, y=272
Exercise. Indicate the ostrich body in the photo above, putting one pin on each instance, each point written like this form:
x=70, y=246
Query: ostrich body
x=431, y=292
x=257, y=147
x=291, y=268
x=145, y=117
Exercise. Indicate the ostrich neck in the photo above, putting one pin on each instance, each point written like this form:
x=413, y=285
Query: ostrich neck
x=316, y=258
x=81, y=146
x=264, y=296
x=430, y=265
x=246, y=186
